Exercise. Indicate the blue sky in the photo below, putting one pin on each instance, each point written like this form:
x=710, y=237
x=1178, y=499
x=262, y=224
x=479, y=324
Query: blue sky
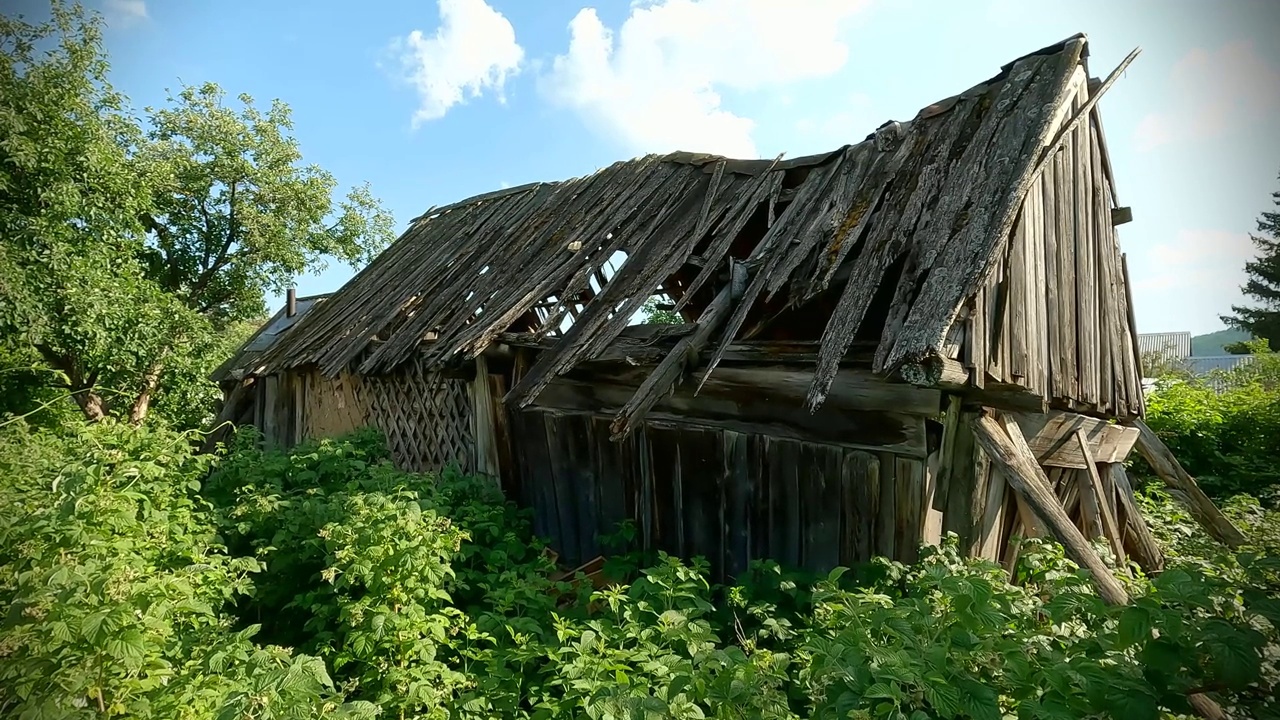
x=432, y=102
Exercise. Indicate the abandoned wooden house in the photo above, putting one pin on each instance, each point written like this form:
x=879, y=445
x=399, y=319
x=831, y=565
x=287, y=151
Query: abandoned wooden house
x=925, y=332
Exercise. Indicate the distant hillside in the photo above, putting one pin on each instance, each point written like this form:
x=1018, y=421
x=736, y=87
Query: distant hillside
x=1214, y=343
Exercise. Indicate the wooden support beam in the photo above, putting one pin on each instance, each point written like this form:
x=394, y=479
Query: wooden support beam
x=1004, y=444
x=1166, y=466
x=484, y=422
x=1142, y=544
x=1098, y=489
x=1007, y=448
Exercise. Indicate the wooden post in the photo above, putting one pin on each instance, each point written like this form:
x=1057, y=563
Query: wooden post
x=1008, y=450
x=483, y=422
x=1110, y=528
x=1166, y=465
x=1142, y=545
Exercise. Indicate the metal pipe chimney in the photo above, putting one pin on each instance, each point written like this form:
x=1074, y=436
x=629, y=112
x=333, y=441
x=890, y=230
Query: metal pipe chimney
x=291, y=302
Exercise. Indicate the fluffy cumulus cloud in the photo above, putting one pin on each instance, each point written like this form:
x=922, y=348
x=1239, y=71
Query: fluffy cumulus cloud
x=473, y=51
x=123, y=13
x=1191, y=279
x=654, y=84
x=1211, y=92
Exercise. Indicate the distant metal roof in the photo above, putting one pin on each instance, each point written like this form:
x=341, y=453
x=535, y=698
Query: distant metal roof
x=1171, y=346
x=1206, y=365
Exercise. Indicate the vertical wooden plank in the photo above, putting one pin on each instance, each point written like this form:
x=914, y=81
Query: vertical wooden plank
x=1086, y=253
x=1049, y=248
x=998, y=322
x=1038, y=327
x=611, y=507
x=1017, y=304
x=860, y=497
x=644, y=486
x=299, y=408
x=784, y=490
x=761, y=500
x=702, y=514
x=934, y=499
x=561, y=461
x=483, y=423
x=977, y=339
x=811, y=511
x=667, y=492
x=1064, y=190
x=535, y=465
x=271, y=419
x=959, y=474
x=736, y=484
x=1102, y=248
x=910, y=508
x=993, y=516
x=508, y=474
x=886, y=517
x=826, y=553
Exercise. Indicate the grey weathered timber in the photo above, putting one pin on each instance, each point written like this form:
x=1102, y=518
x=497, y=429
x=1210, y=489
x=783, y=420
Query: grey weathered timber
x=1141, y=543
x=1051, y=438
x=1000, y=440
x=1167, y=467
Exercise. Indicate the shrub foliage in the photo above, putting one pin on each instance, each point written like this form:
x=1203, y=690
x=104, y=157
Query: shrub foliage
x=143, y=581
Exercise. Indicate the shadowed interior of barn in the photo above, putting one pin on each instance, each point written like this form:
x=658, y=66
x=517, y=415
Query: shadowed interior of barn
x=928, y=331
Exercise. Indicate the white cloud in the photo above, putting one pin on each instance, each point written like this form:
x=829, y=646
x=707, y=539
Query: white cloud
x=1193, y=278
x=655, y=84
x=123, y=13
x=473, y=50
x=1212, y=92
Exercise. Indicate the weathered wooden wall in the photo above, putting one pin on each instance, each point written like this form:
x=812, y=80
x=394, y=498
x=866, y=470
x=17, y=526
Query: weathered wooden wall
x=1055, y=315
x=729, y=496
x=429, y=421
x=735, y=488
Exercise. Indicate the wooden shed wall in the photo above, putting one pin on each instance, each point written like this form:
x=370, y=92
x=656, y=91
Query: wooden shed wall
x=729, y=496
x=429, y=421
x=1055, y=314
x=735, y=490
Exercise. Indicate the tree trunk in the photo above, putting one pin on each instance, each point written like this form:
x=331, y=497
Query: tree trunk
x=142, y=404
x=91, y=403
x=81, y=384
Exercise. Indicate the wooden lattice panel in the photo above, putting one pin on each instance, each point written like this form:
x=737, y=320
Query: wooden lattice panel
x=426, y=418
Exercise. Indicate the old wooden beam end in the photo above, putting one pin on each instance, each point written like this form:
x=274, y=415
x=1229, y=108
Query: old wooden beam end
x=1167, y=468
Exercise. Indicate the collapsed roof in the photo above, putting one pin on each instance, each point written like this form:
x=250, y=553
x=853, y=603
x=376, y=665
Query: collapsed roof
x=892, y=234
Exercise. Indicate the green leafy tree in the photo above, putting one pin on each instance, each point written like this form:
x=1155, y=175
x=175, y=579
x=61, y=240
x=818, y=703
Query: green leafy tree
x=69, y=205
x=233, y=213
x=1263, y=286
x=135, y=252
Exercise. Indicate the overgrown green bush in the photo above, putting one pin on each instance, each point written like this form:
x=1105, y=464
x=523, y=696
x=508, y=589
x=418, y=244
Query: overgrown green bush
x=117, y=588
x=322, y=582
x=1227, y=436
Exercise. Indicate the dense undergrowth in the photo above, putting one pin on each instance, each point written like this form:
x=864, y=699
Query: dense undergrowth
x=1225, y=429
x=143, y=581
